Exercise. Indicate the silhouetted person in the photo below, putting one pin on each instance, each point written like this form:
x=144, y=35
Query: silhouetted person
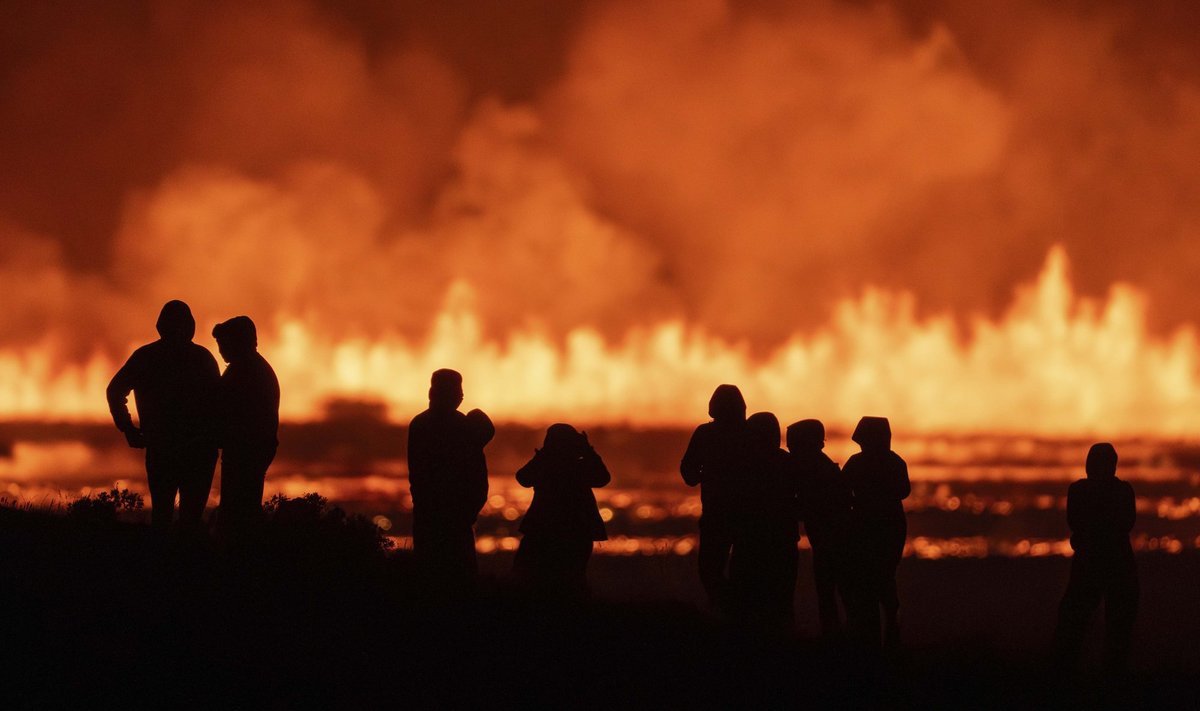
x=878, y=480
x=563, y=520
x=763, y=563
x=1100, y=512
x=247, y=421
x=716, y=461
x=173, y=382
x=447, y=475
x=824, y=505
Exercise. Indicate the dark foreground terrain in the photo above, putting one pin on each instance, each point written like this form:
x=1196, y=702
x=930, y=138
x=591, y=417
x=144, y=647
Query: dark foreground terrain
x=315, y=613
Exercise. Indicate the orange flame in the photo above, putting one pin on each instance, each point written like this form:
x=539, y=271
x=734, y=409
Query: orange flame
x=1054, y=363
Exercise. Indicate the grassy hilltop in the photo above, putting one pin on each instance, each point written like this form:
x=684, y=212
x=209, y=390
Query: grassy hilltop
x=318, y=612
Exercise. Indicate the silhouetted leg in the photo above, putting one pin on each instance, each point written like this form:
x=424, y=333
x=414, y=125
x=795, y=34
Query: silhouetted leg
x=467, y=562
x=195, y=488
x=713, y=560
x=525, y=562
x=1084, y=591
x=889, y=601
x=1120, y=611
x=162, y=478
x=581, y=553
x=243, y=474
x=785, y=584
x=445, y=552
x=825, y=579
x=889, y=598
x=743, y=591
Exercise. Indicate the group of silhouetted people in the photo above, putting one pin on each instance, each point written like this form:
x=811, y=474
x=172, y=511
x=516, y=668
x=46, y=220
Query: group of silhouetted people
x=753, y=497
x=188, y=410
x=447, y=471
x=754, y=494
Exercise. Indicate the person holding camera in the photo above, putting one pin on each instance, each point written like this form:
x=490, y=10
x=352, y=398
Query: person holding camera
x=563, y=520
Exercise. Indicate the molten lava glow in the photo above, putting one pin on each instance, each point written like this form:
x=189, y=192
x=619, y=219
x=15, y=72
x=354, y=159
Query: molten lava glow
x=1054, y=363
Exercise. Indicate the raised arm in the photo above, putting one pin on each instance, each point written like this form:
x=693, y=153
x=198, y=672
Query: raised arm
x=531, y=474
x=595, y=474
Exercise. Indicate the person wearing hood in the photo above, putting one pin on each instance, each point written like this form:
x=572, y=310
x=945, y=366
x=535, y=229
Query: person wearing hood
x=247, y=421
x=824, y=505
x=762, y=568
x=1100, y=512
x=878, y=480
x=563, y=520
x=173, y=382
x=447, y=477
x=715, y=460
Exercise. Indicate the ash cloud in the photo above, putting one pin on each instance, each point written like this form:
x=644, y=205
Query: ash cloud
x=610, y=164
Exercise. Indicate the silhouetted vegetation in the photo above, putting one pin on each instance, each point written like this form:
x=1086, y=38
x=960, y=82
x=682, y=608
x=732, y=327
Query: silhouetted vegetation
x=317, y=614
x=104, y=506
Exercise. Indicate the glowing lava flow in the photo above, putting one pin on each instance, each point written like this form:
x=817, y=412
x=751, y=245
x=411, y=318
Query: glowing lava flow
x=1052, y=364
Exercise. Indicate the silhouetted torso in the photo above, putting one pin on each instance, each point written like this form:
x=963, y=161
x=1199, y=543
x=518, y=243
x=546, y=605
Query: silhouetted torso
x=767, y=498
x=172, y=383
x=879, y=483
x=824, y=495
x=563, y=503
x=447, y=470
x=716, y=460
x=1101, y=514
x=248, y=405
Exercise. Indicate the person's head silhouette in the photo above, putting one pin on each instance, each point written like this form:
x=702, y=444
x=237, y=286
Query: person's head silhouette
x=445, y=389
x=727, y=404
x=806, y=435
x=1101, y=461
x=175, y=322
x=236, y=338
x=763, y=430
x=561, y=439
x=873, y=434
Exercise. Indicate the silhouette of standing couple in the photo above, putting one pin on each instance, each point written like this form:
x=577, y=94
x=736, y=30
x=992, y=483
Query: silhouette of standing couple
x=187, y=411
x=448, y=480
x=753, y=494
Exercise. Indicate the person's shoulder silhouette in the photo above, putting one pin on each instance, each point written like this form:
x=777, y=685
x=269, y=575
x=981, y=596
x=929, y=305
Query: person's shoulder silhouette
x=171, y=378
x=877, y=475
x=1101, y=508
x=249, y=386
x=716, y=449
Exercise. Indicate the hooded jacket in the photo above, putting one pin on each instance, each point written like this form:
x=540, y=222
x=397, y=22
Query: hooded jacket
x=562, y=474
x=877, y=476
x=173, y=381
x=1101, y=509
x=717, y=456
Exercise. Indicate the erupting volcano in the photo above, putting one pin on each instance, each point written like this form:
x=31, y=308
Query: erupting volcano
x=843, y=208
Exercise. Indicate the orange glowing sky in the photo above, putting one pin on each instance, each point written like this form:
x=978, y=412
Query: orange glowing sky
x=604, y=208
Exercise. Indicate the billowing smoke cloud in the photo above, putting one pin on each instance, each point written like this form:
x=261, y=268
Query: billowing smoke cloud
x=744, y=166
